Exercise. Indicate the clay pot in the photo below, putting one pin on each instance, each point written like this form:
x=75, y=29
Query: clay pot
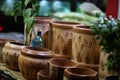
x=79, y=74
x=57, y=66
x=32, y=60
x=43, y=24
x=85, y=48
x=43, y=75
x=62, y=37
x=11, y=52
x=2, y=43
x=91, y=66
x=103, y=70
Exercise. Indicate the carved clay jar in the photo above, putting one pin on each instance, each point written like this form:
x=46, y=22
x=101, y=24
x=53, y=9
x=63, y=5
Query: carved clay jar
x=2, y=43
x=32, y=60
x=11, y=52
x=85, y=48
x=43, y=24
x=103, y=70
x=79, y=74
x=57, y=66
x=62, y=37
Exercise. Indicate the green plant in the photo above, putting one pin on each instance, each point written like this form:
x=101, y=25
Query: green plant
x=107, y=31
x=28, y=10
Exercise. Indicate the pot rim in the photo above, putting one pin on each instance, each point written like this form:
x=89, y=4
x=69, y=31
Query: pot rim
x=84, y=29
x=14, y=45
x=68, y=73
x=44, y=19
x=64, y=24
x=36, y=52
x=74, y=64
x=44, y=73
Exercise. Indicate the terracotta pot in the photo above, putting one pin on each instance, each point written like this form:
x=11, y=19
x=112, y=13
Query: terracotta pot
x=91, y=66
x=85, y=48
x=43, y=75
x=2, y=43
x=79, y=74
x=11, y=52
x=32, y=60
x=57, y=66
x=62, y=37
x=43, y=24
x=103, y=70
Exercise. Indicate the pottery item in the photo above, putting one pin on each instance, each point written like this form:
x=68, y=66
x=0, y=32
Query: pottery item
x=32, y=60
x=43, y=75
x=91, y=66
x=62, y=56
x=85, y=48
x=2, y=43
x=103, y=70
x=43, y=24
x=62, y=37
x=79, y=74
x=57, y=66
x=11, y=52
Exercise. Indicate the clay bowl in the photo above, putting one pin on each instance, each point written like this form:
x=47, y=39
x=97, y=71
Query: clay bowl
x=79, y=74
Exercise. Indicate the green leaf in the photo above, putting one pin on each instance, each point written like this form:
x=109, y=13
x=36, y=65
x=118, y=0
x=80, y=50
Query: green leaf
x=34, y=1
x=29, y=24
x=27, y=13
x=26, y=2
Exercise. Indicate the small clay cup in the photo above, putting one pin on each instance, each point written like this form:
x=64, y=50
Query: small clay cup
x=43, y=75
x=79, y=74
x=57, y=66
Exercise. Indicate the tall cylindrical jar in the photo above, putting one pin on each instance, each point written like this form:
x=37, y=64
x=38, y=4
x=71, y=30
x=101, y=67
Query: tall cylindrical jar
x=11, y=52
x=85, y=48
x=32, y=60
x=62, y=37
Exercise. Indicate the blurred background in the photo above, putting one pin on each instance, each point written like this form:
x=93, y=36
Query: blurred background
x=51, y=8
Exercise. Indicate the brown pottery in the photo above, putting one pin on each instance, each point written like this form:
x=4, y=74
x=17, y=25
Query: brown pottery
x=85, y=48
x=32, y=60
x=11, y=52
x=2, y=43
x=103, y=70
x=43, y=24
x=79, y=74
x=57, y=66
x=62, y=37
x=43, y=75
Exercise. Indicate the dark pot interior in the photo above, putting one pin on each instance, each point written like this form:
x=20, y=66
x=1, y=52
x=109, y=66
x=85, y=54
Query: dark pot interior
x=112, y=78
x=62, y=62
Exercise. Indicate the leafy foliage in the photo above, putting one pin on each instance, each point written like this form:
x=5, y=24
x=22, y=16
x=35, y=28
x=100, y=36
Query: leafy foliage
x=27, y=9
x=107, y=31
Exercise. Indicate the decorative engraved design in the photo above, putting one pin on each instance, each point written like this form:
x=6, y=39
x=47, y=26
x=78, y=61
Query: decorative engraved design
x=62, y=41
x=85, y=49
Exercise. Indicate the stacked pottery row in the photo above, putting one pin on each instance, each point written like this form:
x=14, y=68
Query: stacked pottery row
x=36, y=63
x=63, y=39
